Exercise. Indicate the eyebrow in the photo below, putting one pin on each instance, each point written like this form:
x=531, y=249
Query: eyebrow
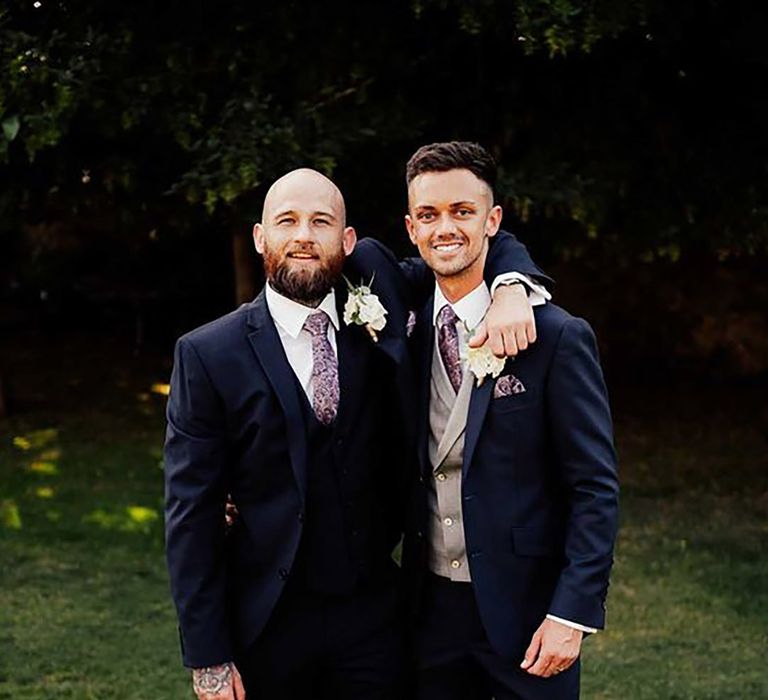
x=452, y=205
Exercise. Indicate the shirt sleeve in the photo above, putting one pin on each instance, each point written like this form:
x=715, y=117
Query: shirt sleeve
x=538, y=294
x=575, y=625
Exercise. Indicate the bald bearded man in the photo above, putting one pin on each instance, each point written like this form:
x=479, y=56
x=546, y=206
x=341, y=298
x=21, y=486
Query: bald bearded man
x=306, y=422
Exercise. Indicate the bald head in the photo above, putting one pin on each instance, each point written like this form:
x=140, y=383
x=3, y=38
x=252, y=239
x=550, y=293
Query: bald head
x=304, y=189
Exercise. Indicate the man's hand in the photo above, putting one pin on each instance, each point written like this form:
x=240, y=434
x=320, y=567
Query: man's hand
x=221, y=682
x=553, y=648
x=509, y=325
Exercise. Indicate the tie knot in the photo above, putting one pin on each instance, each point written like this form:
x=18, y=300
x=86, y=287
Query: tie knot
x=317, y=323
x=446, y=315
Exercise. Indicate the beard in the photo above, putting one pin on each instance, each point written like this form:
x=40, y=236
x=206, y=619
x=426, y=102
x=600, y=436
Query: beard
x=292, y=279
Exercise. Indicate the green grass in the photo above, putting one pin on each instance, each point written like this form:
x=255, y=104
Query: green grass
x=84, y=605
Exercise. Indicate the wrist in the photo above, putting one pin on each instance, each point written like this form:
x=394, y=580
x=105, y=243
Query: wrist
x=212, y=679
x=513, y=287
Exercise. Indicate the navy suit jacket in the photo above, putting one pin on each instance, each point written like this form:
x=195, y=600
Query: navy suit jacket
x=539, y=484
x=235, y=426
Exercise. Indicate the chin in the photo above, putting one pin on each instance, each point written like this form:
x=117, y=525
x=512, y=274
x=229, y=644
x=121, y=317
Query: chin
x=448, y=268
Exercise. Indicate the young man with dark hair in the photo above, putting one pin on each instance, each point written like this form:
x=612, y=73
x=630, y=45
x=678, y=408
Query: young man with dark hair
x=515, y=512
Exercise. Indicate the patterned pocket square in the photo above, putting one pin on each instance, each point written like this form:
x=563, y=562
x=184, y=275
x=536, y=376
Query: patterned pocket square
x=507, y=385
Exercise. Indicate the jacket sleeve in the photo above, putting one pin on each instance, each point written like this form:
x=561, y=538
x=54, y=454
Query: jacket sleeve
x=582, y=438
x=505, y=254
x=195, y=493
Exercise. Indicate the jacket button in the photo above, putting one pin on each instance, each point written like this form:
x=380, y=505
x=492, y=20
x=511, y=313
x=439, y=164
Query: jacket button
x=283, y=574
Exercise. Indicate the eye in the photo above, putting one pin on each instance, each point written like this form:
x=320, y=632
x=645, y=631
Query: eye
x=285, y=220
x=321, y=222
x=426, y=216
x=464, y=212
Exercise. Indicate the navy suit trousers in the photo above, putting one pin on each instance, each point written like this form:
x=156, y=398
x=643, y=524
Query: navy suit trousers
x=318, y=646
x=456, y=661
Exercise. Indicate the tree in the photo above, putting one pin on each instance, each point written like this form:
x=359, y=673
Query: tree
x=149, y=121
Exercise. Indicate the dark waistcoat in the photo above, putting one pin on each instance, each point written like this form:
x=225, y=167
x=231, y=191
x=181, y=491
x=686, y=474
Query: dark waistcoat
x=344, y=545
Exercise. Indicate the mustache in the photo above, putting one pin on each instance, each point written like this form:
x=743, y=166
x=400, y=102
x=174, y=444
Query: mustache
x=302, y=248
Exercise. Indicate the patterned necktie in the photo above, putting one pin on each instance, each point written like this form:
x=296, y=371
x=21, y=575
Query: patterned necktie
x=448, y=345
x=325, y=369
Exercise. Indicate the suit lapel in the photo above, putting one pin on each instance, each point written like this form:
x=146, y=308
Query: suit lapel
x=353, y=360
x=265, y=342
x=478, y=407
x=424, y=337
x=457, y=421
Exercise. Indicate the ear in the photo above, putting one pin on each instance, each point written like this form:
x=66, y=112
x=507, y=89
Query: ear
x=493, y=221
x=259, y=239
x=349, y=240
x=410, y=228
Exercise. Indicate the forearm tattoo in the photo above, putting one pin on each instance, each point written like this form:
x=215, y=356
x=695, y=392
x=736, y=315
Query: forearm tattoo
x=212, y=680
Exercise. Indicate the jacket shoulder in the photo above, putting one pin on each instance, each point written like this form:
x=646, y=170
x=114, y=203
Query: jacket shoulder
x=552, y=319
x=220, y=329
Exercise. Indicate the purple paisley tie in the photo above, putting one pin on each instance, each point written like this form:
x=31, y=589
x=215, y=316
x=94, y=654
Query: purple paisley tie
x=448, y=345
x=325, y=369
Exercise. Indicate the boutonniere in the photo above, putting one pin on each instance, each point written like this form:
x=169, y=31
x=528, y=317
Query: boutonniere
x=363, y=308
x=482, y=362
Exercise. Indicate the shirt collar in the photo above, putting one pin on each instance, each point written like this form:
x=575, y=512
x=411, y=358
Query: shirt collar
x=290, y=315
x=470, y=308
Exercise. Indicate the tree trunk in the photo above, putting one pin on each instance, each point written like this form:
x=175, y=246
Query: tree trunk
x=244, y=265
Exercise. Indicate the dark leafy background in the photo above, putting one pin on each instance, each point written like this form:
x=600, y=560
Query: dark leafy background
x=138, y=139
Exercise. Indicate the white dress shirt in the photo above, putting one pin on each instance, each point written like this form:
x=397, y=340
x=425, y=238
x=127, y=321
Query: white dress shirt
x=471, y=309
x=289, y=317
x=538, y=294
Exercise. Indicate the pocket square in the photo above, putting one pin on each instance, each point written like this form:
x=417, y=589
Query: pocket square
x=507, y=385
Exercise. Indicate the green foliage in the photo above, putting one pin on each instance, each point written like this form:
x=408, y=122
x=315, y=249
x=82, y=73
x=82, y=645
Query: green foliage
x=626, y=130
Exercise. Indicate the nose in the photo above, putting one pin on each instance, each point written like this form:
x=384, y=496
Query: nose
x=446, y=226
x=304, y=232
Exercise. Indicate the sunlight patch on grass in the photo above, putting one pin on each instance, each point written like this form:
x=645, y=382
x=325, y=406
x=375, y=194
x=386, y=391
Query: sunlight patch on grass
x=142, y=514
x=130, y=519
x=162, y=389
x=9, y=515
x=44, y=492
x=36, y=439
x=43, y=467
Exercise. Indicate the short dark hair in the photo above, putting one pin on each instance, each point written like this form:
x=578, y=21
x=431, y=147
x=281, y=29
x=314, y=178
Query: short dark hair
x=452, y=155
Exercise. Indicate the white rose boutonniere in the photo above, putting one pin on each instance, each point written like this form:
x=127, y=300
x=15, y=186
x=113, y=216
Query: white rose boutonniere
x=482, y=362
x=363, y=308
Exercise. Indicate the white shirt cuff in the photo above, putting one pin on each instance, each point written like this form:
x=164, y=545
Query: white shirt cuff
x=538, y=296
x=575, y=625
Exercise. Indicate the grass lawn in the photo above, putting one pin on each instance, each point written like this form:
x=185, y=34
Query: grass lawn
x=84, y=604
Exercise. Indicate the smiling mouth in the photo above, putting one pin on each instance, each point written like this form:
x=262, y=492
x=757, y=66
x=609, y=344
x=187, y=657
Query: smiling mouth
x=303, y=256
x=447, y=246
